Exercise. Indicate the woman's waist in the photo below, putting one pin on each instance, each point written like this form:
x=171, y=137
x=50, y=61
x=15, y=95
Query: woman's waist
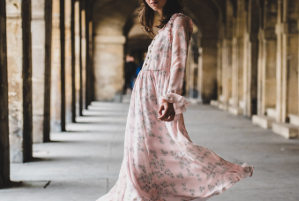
x=156, y=66
x=152, y=68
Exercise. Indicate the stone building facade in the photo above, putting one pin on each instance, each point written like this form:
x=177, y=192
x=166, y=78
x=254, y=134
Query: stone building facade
x=56, y=56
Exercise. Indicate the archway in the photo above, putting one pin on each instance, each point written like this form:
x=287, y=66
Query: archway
x=109, y=41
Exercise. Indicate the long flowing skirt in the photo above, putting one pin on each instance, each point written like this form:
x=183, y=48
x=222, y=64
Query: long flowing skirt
x=160, y=162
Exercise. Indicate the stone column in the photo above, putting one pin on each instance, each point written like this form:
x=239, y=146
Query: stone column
x=235, y=87
x=287, y=70
x=208, y=70
x=260, y=118
x=237, y=75
x=251, y=56
x=73, y=63
x=77, y=54
x=38, y=72
x=62, y=66
x=283, y=61
x=191, y=72
x=48, y=55
x=219, y=69
x=261, y=74
x=227, y=57
x=226, y=73
x=87, y=57
x=109, y=79
x=237, y=100
x=199, y=75
x=266, y=79
x=292, y=68
x=188, y=71
x=82, y=58
x=266, y=74
x=4, y=137
x=20, y=82
x=68, y=61
x=56, y=69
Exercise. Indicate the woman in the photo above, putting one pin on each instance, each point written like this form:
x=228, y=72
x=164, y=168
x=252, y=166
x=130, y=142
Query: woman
x=160, y=162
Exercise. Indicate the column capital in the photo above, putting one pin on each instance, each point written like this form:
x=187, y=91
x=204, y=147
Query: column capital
x=13, y=10
x=110, y=39
x=291, y=27
x=281, y=28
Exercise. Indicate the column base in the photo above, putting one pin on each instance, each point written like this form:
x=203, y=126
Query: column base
x=219, y=104
x=235, y=110
x=214, y=103
x=262, y=121
x=242, y=104
x=271, y=112
x=232, y=108
x=223, y=106
x=294, y=119
x=195, y=100
x=286, y=130
x=223, y=103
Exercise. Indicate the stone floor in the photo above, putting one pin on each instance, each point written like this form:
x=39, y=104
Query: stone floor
x=82, y=164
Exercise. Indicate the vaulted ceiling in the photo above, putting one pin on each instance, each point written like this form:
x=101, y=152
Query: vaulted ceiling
x=115, y=14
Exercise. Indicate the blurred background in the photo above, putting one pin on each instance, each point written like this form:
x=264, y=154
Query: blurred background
x=67, y=68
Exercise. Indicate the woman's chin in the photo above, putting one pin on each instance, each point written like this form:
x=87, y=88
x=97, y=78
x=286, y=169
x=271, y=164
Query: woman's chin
x=155, y=8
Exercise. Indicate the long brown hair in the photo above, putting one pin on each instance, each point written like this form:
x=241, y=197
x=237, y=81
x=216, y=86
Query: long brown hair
x=146, y=14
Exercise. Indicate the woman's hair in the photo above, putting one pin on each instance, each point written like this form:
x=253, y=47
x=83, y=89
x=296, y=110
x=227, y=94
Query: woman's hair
x=146, y=14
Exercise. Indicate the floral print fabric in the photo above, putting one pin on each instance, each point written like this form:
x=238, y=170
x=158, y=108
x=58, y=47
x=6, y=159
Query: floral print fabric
x=160, y=161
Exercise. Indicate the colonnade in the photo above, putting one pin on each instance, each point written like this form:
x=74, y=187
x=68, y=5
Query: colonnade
x=45, y=57
x=243, y=59
x=258, y=65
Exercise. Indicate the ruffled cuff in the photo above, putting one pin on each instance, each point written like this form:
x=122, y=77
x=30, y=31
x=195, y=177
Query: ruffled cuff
x=179, y=102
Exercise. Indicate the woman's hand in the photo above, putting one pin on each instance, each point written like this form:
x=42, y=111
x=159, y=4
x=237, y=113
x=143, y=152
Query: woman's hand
x=166, y=111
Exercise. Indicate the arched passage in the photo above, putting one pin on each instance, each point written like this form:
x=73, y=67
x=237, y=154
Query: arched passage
x=109, y=41
x=120, y=32
x=243, y=54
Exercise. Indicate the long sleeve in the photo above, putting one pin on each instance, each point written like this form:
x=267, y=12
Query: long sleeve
x=181, y=34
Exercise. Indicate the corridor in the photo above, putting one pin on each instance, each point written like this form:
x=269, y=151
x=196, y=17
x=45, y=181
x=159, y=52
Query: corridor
x=83, y=163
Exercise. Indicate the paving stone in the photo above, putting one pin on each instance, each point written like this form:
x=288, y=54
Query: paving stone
x=84, y=164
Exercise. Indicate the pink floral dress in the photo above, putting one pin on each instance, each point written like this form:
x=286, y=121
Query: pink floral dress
x=160, y=161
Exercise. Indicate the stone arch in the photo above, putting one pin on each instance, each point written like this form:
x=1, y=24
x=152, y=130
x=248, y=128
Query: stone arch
x=137, y=40
x=115, y=27
x=207, y=22
x=109, y=41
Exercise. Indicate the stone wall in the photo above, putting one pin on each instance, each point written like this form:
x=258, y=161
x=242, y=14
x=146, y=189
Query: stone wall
x=20, y=79
x=264, y=64
x=4, y=137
